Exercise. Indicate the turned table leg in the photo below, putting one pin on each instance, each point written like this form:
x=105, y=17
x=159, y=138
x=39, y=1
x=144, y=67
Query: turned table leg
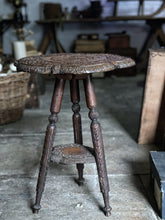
x=49, y=138
x=75, y=98
x=97, y=143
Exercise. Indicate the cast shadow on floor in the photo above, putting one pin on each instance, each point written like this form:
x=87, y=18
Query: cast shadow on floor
x=129, y=121
x=141, y=170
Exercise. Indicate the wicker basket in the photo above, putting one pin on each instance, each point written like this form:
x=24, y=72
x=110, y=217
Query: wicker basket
x=13, y=90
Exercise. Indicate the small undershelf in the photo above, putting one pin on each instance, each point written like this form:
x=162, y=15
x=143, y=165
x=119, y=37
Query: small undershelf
x=72, y=154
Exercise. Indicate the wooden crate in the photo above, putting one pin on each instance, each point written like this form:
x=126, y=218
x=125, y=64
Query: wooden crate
x=157, y=179
x=89, y=46
x=118, y=41
x=152, y=127
x=128, y=52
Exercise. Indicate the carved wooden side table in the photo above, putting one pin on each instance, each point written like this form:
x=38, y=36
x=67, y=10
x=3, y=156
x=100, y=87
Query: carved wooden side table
x=73, y=67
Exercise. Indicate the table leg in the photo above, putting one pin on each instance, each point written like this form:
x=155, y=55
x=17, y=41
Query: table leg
x=75, y=98
x=49, y=139
x=97, y=143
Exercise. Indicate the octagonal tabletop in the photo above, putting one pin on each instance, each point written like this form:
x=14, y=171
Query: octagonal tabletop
x=73, y=63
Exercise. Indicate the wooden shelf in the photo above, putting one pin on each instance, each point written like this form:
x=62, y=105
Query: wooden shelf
x=72, y=154
x=108, y=19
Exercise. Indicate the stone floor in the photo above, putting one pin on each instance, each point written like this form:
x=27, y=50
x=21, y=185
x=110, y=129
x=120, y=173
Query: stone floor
x=119, y=104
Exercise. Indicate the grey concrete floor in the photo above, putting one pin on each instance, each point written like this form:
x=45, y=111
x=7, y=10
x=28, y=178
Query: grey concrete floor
x=119, y=104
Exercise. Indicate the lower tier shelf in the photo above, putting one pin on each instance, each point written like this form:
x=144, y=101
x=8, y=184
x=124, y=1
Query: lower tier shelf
x=72, y=154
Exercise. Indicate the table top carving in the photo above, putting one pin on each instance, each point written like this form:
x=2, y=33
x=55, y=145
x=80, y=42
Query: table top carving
x=73, y=63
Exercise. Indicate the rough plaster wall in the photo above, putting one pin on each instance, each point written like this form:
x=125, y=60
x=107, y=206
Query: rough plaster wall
x=137, y=30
